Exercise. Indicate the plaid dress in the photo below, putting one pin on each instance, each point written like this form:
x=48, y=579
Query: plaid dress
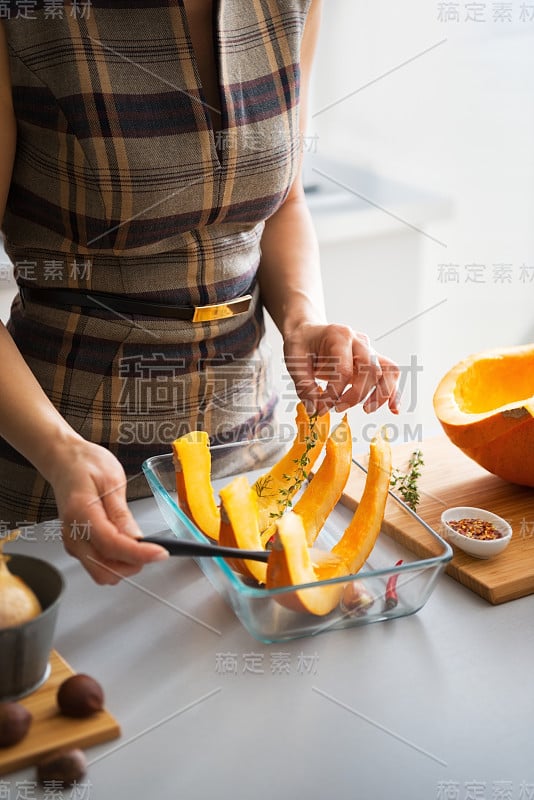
x=122, y=185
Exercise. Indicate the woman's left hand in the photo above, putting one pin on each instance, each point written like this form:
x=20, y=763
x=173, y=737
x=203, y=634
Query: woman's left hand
x=346, y=361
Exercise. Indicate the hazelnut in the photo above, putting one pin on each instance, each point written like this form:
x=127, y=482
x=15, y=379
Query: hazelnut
x=64, y=767
x=80, y=696
x=15, y=721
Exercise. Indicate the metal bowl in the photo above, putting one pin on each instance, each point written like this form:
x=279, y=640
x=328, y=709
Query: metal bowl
x=25, y=648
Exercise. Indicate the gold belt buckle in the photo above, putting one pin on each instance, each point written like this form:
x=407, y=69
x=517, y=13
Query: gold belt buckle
x=222, y=310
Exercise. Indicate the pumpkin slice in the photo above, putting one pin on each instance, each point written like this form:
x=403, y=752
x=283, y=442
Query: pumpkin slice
x=360, y=536
x=180, y=488
x=239, y=526
x=326, y=486
x=277, y=486
x=193, y=481
x=290, y=563
x=485, y=405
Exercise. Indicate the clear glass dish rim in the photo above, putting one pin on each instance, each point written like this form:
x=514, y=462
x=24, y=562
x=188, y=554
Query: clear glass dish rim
x=257, y=592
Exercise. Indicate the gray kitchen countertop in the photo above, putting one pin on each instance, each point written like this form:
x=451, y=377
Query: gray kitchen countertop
x=438, y=705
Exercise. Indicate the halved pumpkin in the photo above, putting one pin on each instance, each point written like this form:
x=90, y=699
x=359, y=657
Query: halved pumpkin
x=326, y=487
x=485, y=405
x=290, y=563
x=239, y=525
x=193, y=481
x=277, y=486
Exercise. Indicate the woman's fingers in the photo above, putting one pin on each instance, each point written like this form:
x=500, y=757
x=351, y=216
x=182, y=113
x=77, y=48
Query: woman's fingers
x=366, y=375
x=104, y=571
x=351, y=369
x=386, y=389
x=354, y=369
x=301, y=368
x=98, y=527
x=336, y=363
x=104, y=548
x=96, y=556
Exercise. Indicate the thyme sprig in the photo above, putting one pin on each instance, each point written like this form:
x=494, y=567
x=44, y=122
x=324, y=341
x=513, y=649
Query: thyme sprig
x=295, y=481
x=263, y=486
x=406, y=482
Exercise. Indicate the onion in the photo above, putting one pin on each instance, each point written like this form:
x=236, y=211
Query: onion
x=18, y=603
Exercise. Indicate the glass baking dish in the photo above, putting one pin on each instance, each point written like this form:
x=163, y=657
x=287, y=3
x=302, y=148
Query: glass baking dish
x=261, y=610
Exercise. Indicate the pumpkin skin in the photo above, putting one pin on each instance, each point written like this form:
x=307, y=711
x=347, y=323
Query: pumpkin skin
x=485, y=405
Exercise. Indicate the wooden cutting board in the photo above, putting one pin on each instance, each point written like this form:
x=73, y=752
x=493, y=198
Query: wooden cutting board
x=448, y=479
x=50, y=730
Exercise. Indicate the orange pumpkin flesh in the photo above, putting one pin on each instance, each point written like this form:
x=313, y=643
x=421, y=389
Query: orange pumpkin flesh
x=181, y=490
x=193, y=473
x=239, y=526
x=192, y=452
x=326, y=487
x=290, y=561
x=485, y=405
x=290, y=564
x=361, y=534
x=269, y=486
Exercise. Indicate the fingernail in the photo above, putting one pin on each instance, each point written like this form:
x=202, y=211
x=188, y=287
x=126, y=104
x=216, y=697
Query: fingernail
x=163, y=555
x=131, y=529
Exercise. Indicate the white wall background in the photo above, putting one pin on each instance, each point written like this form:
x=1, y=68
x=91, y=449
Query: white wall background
x=457, y=122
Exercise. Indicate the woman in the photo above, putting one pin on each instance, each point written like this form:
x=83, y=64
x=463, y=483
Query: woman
x=152, y=206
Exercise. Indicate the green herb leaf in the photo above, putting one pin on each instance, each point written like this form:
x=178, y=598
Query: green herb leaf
x=406, y=482
x=263, y=485
x=295, y=481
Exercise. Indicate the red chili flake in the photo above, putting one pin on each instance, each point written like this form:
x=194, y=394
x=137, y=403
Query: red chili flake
x=475, y=528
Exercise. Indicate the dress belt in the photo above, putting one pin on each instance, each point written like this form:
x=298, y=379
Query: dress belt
x=107, y=301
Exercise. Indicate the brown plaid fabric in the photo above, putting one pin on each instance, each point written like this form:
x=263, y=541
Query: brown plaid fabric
x=122, y=185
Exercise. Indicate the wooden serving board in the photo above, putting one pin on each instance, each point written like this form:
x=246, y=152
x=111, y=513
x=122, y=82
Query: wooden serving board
x=449, y=478
x=50, y=730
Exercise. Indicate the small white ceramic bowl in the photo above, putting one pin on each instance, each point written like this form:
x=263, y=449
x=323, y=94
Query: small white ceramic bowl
x=480, y=548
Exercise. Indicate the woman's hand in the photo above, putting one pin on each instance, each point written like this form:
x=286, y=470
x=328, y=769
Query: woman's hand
x=90, y=490
x=343, y=358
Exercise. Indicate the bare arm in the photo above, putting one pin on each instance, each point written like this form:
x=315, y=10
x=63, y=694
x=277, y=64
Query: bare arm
x=290, y=273
x=291, y=286
x=88, y=481
x=21, y=395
